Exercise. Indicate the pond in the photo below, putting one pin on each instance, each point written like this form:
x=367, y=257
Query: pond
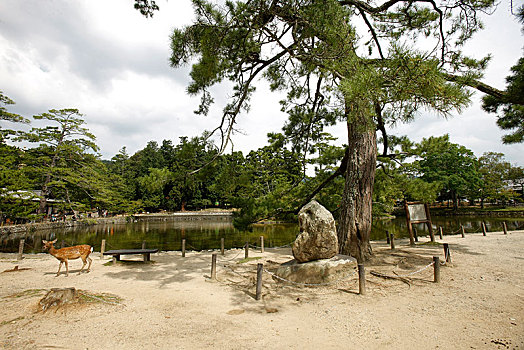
x=202, y=235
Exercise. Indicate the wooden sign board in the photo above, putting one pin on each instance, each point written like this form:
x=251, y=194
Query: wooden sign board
x=417, y=213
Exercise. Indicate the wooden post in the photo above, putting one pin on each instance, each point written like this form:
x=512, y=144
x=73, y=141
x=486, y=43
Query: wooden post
x=436, y=269
x=362, y=279
x=392, y=240
x=387, y=236
x=440, y=231
x=183, y=248
x=102, y=248
x=462, y=231
x=483, y=228
x=505, y=228
x=260, y=268
x=408, y=221
x=246, y=255
x=143, y=244
x=20, y=249
x=415, y=234
x=447, y=254
x=214, y=266
x=222, y=245
x=430, y=226
x=261, y=244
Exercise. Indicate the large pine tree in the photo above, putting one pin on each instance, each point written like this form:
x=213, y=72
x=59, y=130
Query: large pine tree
x=366, y=64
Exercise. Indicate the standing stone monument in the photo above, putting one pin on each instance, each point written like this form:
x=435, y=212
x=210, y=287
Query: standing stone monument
x=315, y=250
x=318, y=234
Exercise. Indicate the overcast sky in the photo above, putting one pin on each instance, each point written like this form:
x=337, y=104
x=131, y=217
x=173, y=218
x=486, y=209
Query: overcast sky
x=111, y=63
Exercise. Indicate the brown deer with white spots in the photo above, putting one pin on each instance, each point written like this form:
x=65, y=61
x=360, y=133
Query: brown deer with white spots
x=64, y=254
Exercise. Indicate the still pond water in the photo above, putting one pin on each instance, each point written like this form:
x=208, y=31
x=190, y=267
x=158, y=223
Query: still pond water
x=204, y=234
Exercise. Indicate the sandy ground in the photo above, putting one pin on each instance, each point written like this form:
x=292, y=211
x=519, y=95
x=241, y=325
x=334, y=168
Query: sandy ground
x=172, y=304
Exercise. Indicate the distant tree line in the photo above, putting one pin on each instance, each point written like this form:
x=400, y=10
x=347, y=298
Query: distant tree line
x=58, y=166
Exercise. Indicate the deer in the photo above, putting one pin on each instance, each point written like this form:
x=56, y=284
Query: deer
x=64, y=254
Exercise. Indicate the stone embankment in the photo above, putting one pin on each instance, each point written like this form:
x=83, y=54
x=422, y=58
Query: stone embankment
x=12, y=231
x=186, y=216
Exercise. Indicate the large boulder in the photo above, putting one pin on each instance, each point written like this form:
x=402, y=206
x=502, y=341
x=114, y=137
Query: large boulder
x=318, y=234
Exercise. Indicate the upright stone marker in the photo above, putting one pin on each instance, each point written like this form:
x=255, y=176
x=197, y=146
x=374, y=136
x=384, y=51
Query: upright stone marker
x=318, y=234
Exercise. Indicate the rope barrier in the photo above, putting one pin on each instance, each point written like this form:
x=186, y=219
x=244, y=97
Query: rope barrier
x=417, y=271
x=233, y=258
x=309, y=284
x=229, y=267
x=190, y=246
x=109, y=245
x=29, y=245
x=282, y=246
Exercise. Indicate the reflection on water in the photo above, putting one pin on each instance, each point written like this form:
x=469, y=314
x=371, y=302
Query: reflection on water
x=202, y=235
x=164, y=235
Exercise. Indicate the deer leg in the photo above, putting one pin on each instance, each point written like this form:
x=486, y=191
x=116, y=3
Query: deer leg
x=67, y=267
x=59, y=267
x=90, y=261
x=83, y=264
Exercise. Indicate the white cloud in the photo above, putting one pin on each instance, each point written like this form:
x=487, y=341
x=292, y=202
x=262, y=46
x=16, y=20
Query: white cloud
x=106, y=59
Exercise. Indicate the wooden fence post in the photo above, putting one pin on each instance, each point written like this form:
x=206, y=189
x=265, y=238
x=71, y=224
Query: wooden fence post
x=440, y=231
x=183, y=248
x=447, y=253
x=260, y=268
x=102, y=248
x=462, y=231
x=246, y=255
x=436, y=269
x=483, y=229
x=143, y=244
x=505, y=228
x=261, y=244
x=222, y=245
x=415, y=234
x=387, y=236
x=214, y=266
x=392, y=240
x=20, y=249
x=361, y=280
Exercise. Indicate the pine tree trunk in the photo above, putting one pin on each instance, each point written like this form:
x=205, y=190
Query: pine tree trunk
x=455, y=200
x=354, y=226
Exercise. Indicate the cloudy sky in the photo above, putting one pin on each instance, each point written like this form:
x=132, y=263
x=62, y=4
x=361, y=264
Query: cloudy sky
x=111, y=63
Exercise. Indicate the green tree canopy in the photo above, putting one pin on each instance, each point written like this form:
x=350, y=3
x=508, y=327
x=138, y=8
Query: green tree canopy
x=5, y=115
x=61, y=159
x=452, y=166
x=510, y=106
x=511, y=114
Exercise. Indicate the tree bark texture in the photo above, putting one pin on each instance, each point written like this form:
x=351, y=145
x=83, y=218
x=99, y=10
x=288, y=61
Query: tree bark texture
x=354, y=227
